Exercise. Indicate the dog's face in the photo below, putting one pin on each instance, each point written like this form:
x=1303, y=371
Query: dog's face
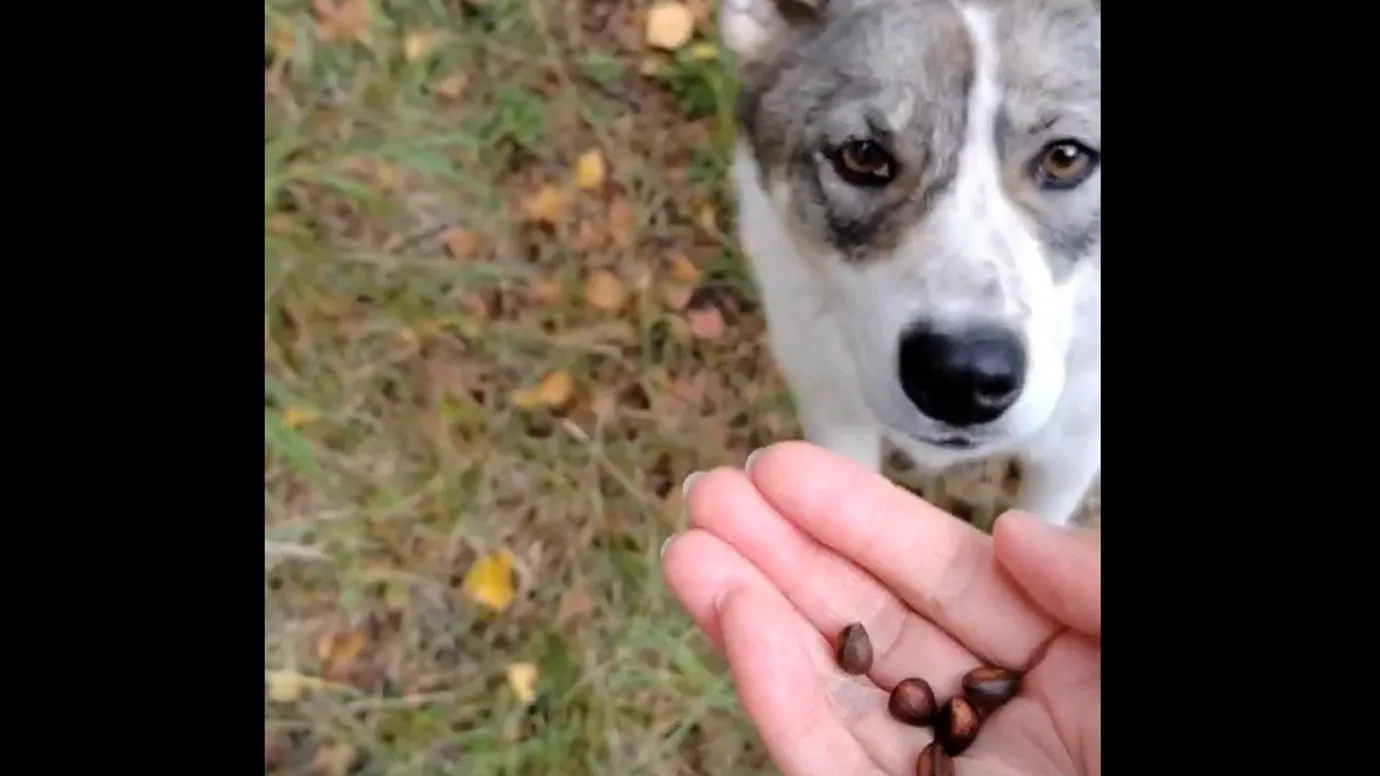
x=937, y=163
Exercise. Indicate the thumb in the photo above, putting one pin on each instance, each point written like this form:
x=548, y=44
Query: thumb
x=1059, y=569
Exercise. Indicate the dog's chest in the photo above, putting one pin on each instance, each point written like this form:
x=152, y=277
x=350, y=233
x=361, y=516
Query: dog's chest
x=780, y=271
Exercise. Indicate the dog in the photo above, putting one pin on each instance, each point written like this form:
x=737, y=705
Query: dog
x=919, y=196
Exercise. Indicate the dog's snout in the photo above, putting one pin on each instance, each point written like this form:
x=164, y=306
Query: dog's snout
x=962, y=377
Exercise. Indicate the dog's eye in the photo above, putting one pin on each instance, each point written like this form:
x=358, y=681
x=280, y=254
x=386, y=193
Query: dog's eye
x=1064, y=164
x=864, y=163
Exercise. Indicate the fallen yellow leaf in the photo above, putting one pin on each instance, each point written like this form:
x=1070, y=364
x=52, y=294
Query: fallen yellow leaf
x=490, y=581
x=547, y=206
x=299, y=416
x=288, y=686
x=386, y=175
x=651, y=67
x=707, y=219
x=704, y=51
x=452, y=87
x=283, y=41
x=461, y=243
x=417, y=44
x=526, y=398
x=397, y=596
x=604, y=291
x=669, y=25
x=522, y=677
x=589, y=170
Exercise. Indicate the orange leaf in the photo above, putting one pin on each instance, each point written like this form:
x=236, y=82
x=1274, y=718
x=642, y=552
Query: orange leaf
x=461, y=243
x=575, y=603
x=281, y=224
x=547, y=206
x=452, y=87
x=604, y=291
x=555, y=390
x=621, y=223
x=684, y=270
x=338, y=653
x=548, y=291
x=345, y=21
x=299, y=416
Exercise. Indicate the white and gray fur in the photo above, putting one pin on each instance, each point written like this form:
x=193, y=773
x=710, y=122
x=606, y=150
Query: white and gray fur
x=965, y=94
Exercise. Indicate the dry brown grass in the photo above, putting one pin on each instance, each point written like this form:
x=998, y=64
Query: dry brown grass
x=410, y=297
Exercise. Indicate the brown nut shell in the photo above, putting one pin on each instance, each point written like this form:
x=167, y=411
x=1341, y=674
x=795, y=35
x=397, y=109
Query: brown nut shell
x=855, y=650
x=934, y=761
x=956, y=725
x=989, y=688
x=912, y=702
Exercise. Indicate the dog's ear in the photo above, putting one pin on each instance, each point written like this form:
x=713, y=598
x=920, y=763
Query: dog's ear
x=752, y=28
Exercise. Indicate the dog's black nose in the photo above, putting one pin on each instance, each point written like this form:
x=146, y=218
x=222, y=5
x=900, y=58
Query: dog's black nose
x=963, y=377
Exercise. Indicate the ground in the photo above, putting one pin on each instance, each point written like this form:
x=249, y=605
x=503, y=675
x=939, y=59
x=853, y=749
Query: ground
x=504, y=317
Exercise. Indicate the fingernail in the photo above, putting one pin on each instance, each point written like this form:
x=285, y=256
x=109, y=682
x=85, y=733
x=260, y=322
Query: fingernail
x=689, y=480
x=747, y=465
x=662, y=552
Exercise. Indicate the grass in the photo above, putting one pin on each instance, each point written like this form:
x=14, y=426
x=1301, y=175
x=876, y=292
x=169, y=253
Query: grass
x=411, y=297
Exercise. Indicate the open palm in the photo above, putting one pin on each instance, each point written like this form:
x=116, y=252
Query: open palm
x=779, y=559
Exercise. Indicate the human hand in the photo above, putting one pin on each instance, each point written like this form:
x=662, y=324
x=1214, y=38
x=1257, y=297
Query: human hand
x=779, y=559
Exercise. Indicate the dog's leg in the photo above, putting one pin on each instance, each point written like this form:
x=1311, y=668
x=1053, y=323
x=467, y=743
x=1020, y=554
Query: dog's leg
x=1054, y=482
x=805, y=339
x=815, y=363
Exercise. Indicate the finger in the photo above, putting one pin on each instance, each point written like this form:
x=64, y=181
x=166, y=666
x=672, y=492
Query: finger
x=780, y=687
x=1060, y=570
x=828, y=590
x=940, y=566
x=1068, y=683
x=703, y=572
x=700, y=569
